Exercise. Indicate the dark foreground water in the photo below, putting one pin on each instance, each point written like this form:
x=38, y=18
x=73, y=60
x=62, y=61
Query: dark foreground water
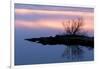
x=33, y=53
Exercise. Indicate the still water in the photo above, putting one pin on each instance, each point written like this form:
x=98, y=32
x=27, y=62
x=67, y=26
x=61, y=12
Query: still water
x=34, y=53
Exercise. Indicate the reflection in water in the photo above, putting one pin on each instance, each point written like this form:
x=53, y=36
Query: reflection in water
x=72, y=52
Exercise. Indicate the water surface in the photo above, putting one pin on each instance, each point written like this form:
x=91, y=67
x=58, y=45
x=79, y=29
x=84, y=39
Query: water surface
x=34, y=53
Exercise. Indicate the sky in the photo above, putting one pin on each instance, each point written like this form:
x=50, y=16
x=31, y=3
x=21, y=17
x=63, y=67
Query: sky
x=51, y=17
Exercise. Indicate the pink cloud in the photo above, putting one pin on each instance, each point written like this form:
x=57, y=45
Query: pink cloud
x=51, y=23
x=74, y=13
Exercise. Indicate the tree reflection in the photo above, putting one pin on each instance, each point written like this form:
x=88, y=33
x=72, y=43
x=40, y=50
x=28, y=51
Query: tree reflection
x=72, y=52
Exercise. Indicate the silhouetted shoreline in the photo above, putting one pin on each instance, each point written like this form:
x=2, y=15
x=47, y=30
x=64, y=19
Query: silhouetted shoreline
x=65, y=40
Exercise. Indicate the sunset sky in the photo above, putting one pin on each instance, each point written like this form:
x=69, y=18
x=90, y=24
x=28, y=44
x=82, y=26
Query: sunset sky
x=50, y=17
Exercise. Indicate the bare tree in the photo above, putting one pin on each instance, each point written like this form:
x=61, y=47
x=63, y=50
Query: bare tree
x=73, y=26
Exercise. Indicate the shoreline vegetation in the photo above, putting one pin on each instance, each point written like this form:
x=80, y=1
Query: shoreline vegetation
x=74, y=40
x=73, y=35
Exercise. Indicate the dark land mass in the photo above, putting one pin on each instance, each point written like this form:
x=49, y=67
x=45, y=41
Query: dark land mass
x=74, y=40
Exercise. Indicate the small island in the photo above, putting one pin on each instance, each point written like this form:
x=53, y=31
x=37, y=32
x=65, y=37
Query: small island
x=73, y=35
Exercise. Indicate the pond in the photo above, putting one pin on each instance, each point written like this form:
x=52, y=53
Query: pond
x=34, y=53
